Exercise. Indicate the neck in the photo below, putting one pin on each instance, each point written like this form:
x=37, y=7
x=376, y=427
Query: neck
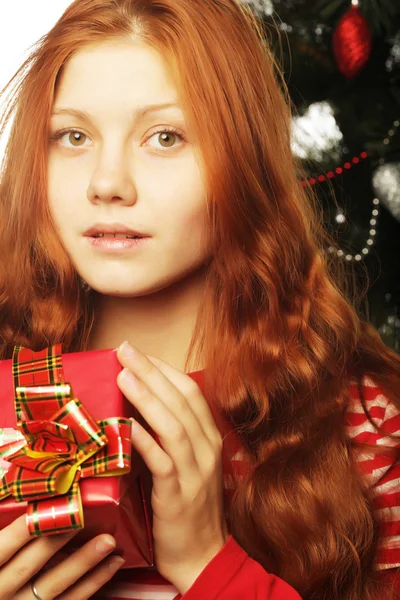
x=160, y=324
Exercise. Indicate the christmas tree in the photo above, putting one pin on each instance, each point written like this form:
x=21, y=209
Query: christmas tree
x=341, y=64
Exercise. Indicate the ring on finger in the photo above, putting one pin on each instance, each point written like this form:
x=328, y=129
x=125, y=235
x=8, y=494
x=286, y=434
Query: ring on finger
x=35, y=592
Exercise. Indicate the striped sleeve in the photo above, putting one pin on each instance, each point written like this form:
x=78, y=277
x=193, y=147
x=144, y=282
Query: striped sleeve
x=382, y=471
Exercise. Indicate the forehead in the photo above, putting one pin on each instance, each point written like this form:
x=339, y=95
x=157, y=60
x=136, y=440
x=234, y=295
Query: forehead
x=117, y=70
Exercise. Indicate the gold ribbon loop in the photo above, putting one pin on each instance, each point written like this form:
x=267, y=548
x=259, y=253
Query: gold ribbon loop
x=57, y=443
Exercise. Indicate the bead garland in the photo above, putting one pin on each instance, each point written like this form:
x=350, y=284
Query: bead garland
x=375, y=202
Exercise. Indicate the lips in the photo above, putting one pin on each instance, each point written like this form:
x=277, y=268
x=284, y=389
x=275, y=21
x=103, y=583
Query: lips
x=113, y=229
x=117, y=244
x=120, y=236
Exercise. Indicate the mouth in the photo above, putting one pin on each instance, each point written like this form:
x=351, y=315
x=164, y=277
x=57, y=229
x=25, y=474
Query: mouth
x=120, y=236
x=116, y=242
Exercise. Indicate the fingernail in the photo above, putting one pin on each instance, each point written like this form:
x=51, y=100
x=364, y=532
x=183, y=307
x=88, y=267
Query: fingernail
x=105, y=545
x=129, y=378
x=115, y=563
x=127, y=350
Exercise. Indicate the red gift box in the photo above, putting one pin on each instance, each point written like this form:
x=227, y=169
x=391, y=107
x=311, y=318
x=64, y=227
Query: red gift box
x=119, y=505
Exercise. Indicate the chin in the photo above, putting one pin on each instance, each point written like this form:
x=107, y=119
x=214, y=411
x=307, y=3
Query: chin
x=119, y=291
x=119, y=287
x=115, y=292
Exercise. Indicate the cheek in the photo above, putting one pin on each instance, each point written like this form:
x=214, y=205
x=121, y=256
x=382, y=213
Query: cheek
x=190, y=230
x=54, y=193
x=60, y=197
x=64, y=221
x=58, y=211
x=185, y=202
x=192, y=216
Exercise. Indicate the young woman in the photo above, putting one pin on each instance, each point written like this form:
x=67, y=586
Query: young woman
x=275, y=404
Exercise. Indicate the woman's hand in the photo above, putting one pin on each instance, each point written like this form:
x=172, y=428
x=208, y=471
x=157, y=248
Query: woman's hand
x=187, y=496
x=79, y=575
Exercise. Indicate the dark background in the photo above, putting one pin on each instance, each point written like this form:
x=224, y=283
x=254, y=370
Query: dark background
x=347, y=57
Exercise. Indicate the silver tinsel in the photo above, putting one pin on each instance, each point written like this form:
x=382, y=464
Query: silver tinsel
x=261, y=7
x=386, y=184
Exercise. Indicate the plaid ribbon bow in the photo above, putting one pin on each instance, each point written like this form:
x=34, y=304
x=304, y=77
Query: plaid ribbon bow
x=57, y=443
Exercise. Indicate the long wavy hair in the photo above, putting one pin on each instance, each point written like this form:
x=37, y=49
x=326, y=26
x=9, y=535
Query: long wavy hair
x=279, y=327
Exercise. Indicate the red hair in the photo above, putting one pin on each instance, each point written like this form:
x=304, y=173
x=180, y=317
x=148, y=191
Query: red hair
x=279, y=334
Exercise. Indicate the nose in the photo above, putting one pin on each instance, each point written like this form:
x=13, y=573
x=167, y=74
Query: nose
x=112, y=180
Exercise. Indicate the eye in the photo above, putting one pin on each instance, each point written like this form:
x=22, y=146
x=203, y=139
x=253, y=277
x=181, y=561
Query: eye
x=75, y=137
x=166, y=136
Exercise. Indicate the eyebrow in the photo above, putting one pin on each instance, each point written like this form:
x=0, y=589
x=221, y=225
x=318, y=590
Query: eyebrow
x=140, y=112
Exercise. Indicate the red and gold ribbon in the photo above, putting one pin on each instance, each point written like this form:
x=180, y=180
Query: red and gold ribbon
x=57, y=443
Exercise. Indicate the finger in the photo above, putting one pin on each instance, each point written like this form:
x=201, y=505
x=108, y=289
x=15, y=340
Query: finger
x=29, y=560
x=200, y=408
x=171, y=431
x=191, y=390
x=161, y=387
x=58, y=558
x=181, y=407
x=93, y=582
x=12, y=538
x=53, y=582
x=161, y=466
x=163, y=380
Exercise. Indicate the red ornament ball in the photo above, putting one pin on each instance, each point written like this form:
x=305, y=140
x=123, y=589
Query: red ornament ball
x=352, y=42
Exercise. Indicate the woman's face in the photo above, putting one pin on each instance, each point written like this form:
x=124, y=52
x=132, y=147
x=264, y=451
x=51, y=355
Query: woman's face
x=118, y=166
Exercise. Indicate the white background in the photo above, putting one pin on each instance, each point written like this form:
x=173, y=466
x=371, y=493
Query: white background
x=22, y=23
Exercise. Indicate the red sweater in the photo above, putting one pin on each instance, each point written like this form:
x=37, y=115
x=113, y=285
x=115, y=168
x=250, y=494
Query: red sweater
x=233, y=575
